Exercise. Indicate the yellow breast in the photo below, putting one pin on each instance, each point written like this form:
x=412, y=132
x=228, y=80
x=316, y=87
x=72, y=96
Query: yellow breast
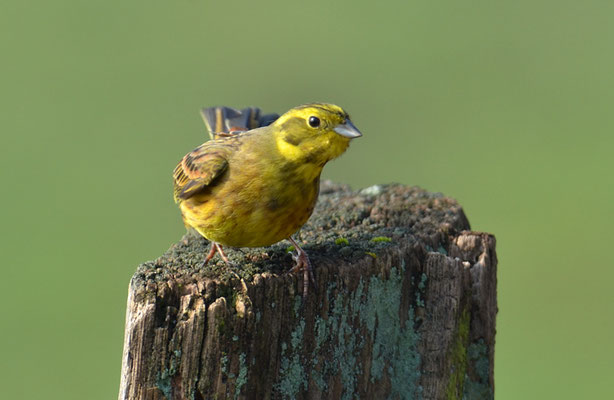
x=261, y=199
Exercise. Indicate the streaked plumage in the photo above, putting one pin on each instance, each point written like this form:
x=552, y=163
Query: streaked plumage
x=257, y=187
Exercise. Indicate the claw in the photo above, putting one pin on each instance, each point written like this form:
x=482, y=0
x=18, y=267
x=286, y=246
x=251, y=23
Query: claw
x=302, y=263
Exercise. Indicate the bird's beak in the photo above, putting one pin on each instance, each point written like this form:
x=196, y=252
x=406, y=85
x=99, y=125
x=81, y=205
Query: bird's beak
x=348, y=130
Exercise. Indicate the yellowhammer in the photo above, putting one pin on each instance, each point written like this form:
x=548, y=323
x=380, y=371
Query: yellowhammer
x=255, y=184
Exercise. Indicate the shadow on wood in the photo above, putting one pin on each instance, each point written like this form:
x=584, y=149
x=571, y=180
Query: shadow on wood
x=405, y=309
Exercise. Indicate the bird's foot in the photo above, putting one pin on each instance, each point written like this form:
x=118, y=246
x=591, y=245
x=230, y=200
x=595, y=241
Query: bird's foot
x=303, y=264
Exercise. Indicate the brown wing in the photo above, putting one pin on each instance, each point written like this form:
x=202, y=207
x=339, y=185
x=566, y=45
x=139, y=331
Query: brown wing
x=199, y=168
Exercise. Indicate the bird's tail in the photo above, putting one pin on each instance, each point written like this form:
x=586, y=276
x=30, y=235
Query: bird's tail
x=227, y=121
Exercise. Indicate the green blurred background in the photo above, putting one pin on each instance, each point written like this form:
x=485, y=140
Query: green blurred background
x=506, y=106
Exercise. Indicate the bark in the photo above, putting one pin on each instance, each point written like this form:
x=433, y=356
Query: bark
x=405, y=308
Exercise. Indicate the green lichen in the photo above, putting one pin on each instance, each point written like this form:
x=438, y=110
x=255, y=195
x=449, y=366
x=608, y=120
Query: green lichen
x=420, y=291
x=298, y=302
x=164, y=383
x=318, y=379
x=164, y=379
x=344, y=351
x=478, y=387
x=224, y=362
x=366, y=318
x=370, y=253
x=342, y=241
x=234, y=299
x=394, y=343
x=336, y=336
x=458, y=362
x=293, y=375
x=381, y=239
x=175, y=359
x=321, y=332
x=422, y=283
x=419, y=301
x=290, y=249
x=242, y=378
x=296, y=339
x=221, y=325
x=228, y=293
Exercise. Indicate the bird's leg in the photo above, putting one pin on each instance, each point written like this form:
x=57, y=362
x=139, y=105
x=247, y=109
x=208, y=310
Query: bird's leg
x=303, y=264
x=221, y=251
x=211, y=253
x=217, y=248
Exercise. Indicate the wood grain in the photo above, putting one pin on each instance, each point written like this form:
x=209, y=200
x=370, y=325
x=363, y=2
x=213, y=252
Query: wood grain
x=405, y=309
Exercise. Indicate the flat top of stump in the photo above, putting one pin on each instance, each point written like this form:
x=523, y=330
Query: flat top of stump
x=346, y=226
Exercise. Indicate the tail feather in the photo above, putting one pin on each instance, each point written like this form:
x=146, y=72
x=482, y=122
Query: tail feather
x=225, y=121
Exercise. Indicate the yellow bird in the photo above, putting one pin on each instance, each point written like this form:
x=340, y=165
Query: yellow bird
x=256, y=187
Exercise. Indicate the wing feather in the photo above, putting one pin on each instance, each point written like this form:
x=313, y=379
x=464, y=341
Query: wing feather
x=201, y=167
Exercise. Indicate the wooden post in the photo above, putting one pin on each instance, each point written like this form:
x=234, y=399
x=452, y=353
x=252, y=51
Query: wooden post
x=405, y=309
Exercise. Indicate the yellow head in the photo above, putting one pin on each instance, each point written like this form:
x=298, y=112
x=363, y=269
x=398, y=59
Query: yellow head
x=314, y=133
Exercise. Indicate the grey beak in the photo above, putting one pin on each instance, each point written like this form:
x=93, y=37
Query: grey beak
x=348, y=130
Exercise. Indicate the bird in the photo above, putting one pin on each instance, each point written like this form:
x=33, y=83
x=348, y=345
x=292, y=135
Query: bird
x=256, y=182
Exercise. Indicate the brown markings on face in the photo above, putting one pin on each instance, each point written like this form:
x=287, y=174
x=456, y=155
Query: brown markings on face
x=292, y=125
x=293, y=140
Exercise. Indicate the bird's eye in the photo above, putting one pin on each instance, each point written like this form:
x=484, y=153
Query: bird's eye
x=314, y=122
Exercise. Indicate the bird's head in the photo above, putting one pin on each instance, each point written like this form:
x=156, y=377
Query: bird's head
x=314, y=133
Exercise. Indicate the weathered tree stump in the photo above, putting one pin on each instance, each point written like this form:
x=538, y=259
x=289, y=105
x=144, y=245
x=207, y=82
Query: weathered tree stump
x=405, y=309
